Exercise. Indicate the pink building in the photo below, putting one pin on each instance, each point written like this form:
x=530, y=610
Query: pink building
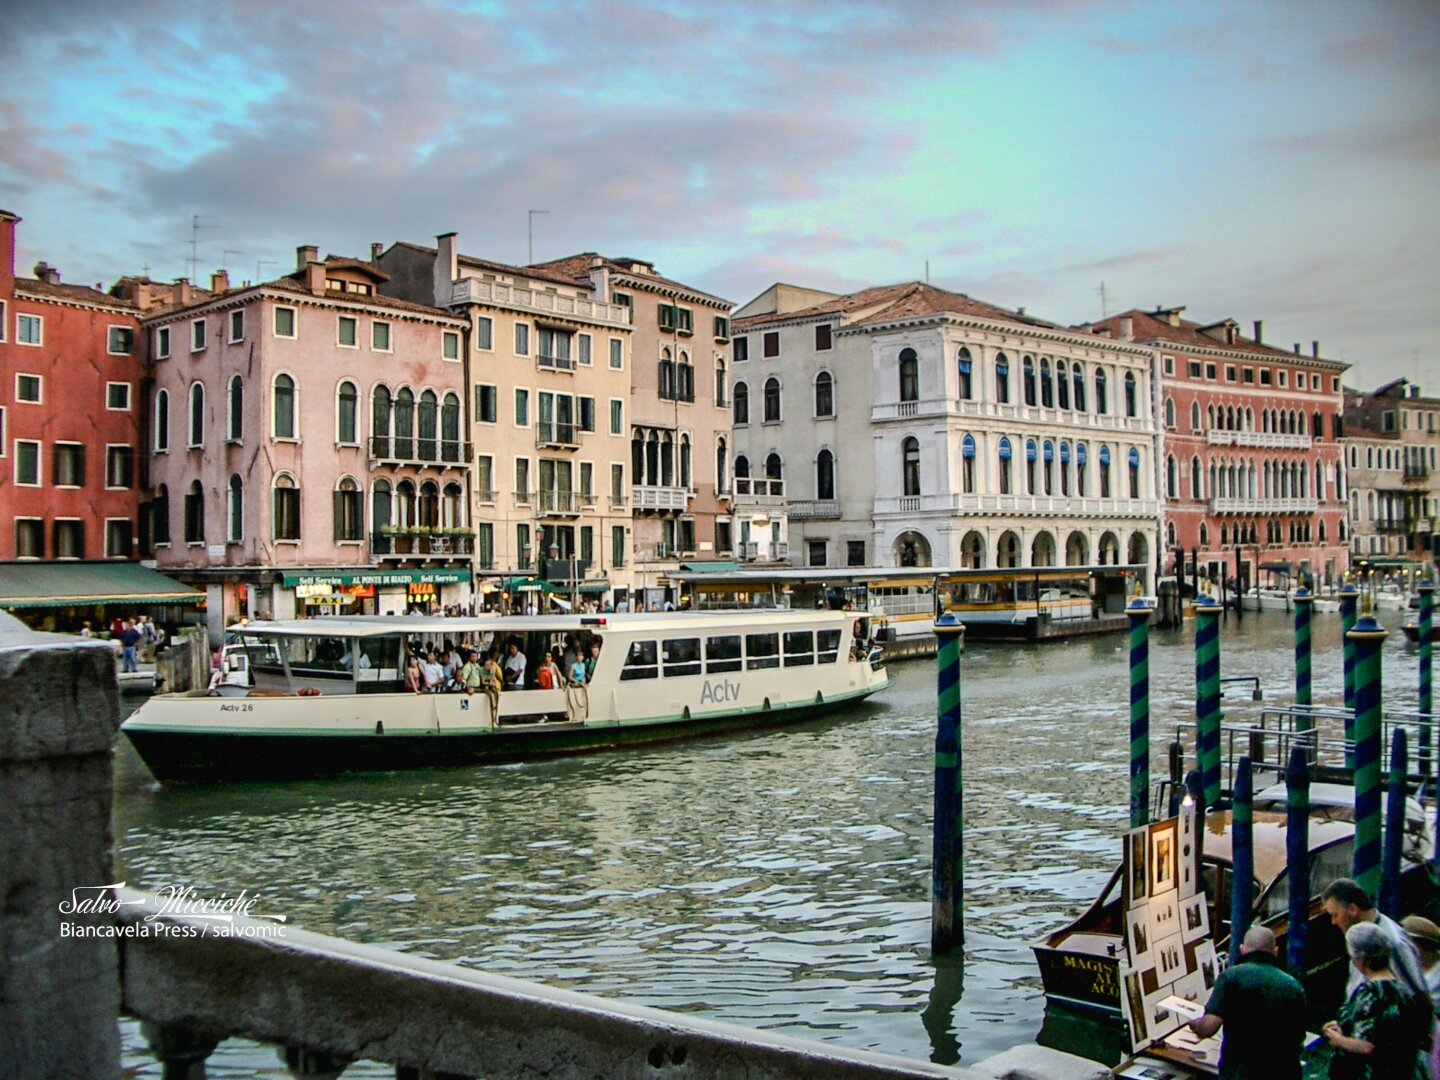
x=306, y=446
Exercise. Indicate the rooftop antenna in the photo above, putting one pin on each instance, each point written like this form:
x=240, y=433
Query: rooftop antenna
x=263, y=262
x=530, y=231
x=145, y=270
x=225, y=257
x=1104, y=301
x=927, y=271
x=195, y=226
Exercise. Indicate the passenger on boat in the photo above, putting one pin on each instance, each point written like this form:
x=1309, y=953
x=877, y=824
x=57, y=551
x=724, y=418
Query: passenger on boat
x=434, y=674
x=1348, y=904
x=1262, y=1010
x=548, y=676
x=414, y=677
x=1383, y=1028
x=472, y=674
x=1426, y=936
x=515, y=663
x=591, y=661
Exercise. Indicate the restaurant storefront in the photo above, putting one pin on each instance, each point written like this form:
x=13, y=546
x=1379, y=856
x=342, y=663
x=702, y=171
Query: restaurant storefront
x=377, y=592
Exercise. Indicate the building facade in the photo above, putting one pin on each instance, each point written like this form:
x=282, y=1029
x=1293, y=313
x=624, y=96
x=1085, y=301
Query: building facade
x=71, y=415
x=549, y=389
x=1251, y=472
x=911, y=426
x=308, y=445
x=1390, y=446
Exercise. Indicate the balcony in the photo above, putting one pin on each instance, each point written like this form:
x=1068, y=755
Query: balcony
x=774, y=551
x=761, y=494
x=554, y=363
x=564, y=436
x=404, y=543
x=909, y=410
x=1265, y=440
x=1072, y=506
x=647, y=497
x=406, y=450
x=1263, y=506
x=814, y=510
x=558, y=503
x=1009, y=411
x=1415, y=472
x=498, y=294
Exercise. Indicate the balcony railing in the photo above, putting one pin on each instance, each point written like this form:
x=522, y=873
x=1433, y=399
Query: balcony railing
x=814, y=509
x=1401, y=525
x=647, y=497
x=563, y=503
x=746, y=485
x=406, y=450
x=1038, y=505
x=772, y=551
x=411, y=545
x=549, y=433
x=554, y=363
x=474, y=291
x=1265, y=440
x=1416, y=472
x=1263, y=506
x=965, y=407
x=617, y=502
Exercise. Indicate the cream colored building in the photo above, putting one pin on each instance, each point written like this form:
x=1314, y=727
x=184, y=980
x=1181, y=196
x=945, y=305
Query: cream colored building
x=547, y=411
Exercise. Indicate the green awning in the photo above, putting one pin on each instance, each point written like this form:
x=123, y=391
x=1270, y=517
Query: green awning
x=710, y=567
x=594, y=588
x=80, y=584
x=527, y=584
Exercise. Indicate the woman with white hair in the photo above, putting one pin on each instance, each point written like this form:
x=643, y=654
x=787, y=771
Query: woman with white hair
x=1382, y=1028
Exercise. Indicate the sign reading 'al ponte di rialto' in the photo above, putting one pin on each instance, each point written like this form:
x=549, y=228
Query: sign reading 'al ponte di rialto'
x=378, y=577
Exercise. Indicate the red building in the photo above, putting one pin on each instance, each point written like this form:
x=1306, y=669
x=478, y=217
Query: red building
x=1250, y=467
x=70, y=416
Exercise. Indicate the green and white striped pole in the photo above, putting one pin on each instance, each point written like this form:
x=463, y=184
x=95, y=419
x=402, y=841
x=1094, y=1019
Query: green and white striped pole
x=1368, y=636
x=1426, y=589
x=1349, y=610
x=1139, y=612
x=947, y=917
x=1304, y=618
x=1207, y=696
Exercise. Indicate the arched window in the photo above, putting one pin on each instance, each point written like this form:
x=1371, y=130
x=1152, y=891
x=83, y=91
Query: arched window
x=195, y=514
x=1078, y=378
x=1196, y=476
x=1032, y=458
x=1104, y=472
x=286, y=507
x=1047, y=388
x=1172, y=478
x=349, y=511
x=721, y=382
x=967, y=465
x=429, y=417
x=1002, y=379
x=964, y=366
x=405, y=423
x=742, y=403
x=235, y=510
x=685, y=462
x=1204, y=536
x=1082, y=459
x=1102, y=405
x=1064, y=468
x=1169, y=412
x=824, y=394
x=1130, y=393
x=235, y=409
x=1195, y=416
x=452, y=507
x=347, y=405
x=1027, y=377
x=910, y=465
x=450, y=428
x=162, y=421
x=380, y=422
x=197, y=415
x=1005, y=453
x=667, y=375
x=722, y=466
x=284, y=407
x=825, y=475
x=774, y=473
x=1170, y=534
x=160, y=515
x=1062, y=384
x=772, y=400
x=427, y=514
x=380, y=509
x=909, y=375
x=742, y=475
x=1048, y=454
x=1133, y=459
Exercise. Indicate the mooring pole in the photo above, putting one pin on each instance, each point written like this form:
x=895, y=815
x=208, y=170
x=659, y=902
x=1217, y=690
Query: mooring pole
x=947, y=918
x=1304, y=613
x=1394, y=827
x=1139, y=612
x=1426, y=589
x=1207, y=696
x=1349, y=610
x=1242, y=857
x=1368, y=636
x=1240, y=590
x=1297, y=857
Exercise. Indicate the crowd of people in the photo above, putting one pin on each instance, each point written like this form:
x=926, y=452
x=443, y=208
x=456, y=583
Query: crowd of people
x=1384, y=1029
x=135, y=638
x=495, y=665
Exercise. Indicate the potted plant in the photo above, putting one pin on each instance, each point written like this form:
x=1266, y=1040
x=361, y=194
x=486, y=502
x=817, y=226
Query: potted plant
x=387, y=529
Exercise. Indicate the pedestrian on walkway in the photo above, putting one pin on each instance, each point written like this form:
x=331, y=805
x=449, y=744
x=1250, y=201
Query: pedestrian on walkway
x=129, y=643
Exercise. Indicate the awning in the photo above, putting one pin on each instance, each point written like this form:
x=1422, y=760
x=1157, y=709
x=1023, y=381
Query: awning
x=594, y=588
x=81, y=584
x=709, y=567
x=527, y=584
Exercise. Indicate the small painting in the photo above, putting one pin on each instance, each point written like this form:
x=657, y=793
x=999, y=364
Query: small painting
x=1207, y=964
x=1194, y=921
x=1136, y=879
x=1193, y=988
x=1162, y=857
x=1134, y=1008
x=1137, y=937
x=1169, y=958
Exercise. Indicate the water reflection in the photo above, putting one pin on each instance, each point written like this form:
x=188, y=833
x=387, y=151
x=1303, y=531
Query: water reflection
x=777, y=880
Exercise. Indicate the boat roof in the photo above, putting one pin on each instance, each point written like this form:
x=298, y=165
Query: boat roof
x=1269, y=831
x=874, y=575
x=1333, y=797
x=669, y=622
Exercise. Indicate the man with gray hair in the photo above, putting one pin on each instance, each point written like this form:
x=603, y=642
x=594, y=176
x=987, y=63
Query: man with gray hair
x=1262, y=1009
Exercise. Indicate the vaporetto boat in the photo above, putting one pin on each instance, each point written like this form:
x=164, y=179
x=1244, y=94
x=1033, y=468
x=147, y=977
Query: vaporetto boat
x=304, y=706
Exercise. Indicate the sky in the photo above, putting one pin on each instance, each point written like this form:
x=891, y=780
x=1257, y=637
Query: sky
x=1261, y=159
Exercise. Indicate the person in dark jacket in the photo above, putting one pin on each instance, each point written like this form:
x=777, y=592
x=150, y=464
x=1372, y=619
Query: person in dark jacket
x=1262, y=1011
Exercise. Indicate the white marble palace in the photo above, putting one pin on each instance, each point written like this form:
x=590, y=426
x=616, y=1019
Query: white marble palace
x=910, y=426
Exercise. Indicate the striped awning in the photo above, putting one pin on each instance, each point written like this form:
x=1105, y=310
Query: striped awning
x=82, y=584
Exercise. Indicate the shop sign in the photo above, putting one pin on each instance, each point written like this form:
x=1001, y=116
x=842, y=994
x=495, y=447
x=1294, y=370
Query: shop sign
x=376, y=577
x=422, y=593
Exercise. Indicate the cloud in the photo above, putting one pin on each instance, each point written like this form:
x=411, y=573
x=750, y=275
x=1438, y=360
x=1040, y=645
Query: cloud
x=1416, y=139
x=24, y=155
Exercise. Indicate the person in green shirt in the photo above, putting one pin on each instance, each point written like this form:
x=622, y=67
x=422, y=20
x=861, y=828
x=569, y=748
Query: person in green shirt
x=1262, y=1010
x=472, y=675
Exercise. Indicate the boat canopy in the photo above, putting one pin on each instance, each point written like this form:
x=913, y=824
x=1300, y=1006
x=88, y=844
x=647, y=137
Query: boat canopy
x=669, y=623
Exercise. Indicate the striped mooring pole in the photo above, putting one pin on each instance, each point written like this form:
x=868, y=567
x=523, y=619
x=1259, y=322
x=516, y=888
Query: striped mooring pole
x=1304, y=618
x=1139, y=612
x=1426, y=589
x=1367, y=637
x=1349, y=612
x=1297, y=858
x=1242, y=857
x=1394, y=827
x=1207, y=696
x=947, y=917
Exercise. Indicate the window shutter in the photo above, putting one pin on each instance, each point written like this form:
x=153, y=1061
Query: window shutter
x=339, y=500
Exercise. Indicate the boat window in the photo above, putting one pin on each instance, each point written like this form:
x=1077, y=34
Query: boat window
x=828, y=644
x=722, y=654
x=380, y=668
x=762, y=650
x=640, y=662
x=1330, y=863
x=316, y=663
x=799, y=648
x=682, y=656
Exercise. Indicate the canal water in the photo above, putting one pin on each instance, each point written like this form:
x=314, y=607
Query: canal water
x=779, y=881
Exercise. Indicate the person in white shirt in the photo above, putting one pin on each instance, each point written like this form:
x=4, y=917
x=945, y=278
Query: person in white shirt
x=434, y=674
x=514, y=667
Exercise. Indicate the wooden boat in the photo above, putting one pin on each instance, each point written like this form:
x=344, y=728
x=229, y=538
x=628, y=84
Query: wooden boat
x=303, y=707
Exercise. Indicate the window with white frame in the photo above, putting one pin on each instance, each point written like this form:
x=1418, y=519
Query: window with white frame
x=69, y=463
x=237, y=326
x=617, y=416
x=4, y=320
x=119, y=341
x=284, y=412
x=522, y=407
x=235, y=409
x=617, y=354
x=27, y=463
x=487, y=404
x=197, y=415
x=583, y=345
x=29, y=538
x=161, y=342
x=117, y=396
x=69, y=538
x=286, y=512
x=162, y=421
x=29, y=389
x=197, y=335
x=29, y=330
x=450, y=345
x=379, y=336
x=3, y=440
x=346, y=331
x=285, y=322
x=522, y=339
x=484, y=332
x=235, y=510
x=119, y=538
x=119, y=468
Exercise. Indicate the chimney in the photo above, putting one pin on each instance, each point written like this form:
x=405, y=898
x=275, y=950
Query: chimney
x=1174, y=316
x=1315, y=349
x=1297, y=348
x=220, y=281
x=375, y=250
x=180, y=292
x=315, y=276
x=447, y=268
x=1019, y=311
x=1127, y=328
x=47, y=273
x=1258, y=327
x=305, y=254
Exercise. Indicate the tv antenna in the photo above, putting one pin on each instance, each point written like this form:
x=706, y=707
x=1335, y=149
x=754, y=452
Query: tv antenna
x=263, y=262
x=196, y=224
x=1104, y=301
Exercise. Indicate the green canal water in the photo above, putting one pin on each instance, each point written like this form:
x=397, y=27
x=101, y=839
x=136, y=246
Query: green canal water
x=778, y=881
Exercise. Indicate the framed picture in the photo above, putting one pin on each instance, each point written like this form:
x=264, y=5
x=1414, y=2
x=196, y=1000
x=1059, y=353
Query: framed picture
x=1137, y=937
x=1159, y=1020
x=1169, y=958
x=1193, y=988
x=1137, y=848
x=1163, y=875
x=1194, y=918
x=1189, y=855
x=1164, y=916
x=1207, y=964
x=1133, y=1005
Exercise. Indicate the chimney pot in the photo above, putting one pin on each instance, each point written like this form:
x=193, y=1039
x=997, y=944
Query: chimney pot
x=1297, y=348
x=305, y=254
x=1315, y=349
x=315, y=276
x=47, y=273
x=375, y=250
x=1258, y=327
x=1127, y=328
x=220, y=281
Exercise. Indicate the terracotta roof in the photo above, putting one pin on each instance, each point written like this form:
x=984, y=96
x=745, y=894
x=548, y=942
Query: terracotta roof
x=1149, y=326
x=578, y=267
x=295, y=283
x=344, y=262
x=497, y=268
x=905, y=300
x=83, y=294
